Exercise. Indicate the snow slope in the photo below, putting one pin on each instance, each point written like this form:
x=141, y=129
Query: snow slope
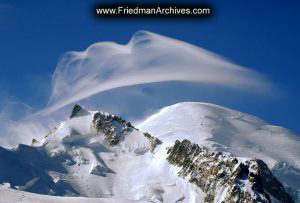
x=222, y=129
x=99, y=155
x=9, y=196
x=77, y=159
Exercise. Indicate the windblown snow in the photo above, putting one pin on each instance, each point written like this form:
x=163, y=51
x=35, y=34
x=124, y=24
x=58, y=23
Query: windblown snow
x=98, y=156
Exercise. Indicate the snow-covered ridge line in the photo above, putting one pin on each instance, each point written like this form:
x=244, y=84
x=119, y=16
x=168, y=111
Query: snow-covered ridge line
x=226, y=130
x=100, y=155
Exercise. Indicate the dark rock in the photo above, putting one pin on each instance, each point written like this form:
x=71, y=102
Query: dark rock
x=104, y=123
x=272, y=185
x=75, y=110
x=34, y=142
x=215, y=173
x=154, y=141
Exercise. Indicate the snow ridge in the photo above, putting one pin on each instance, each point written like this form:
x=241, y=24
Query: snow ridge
x=187, y=152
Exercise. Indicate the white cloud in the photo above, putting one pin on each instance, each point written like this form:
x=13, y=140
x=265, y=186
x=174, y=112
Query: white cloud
x=10, y=114
x=18, y=124
x=147, y=58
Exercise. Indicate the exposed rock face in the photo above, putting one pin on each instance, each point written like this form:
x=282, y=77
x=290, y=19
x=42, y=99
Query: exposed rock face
x=75, y=110
x=272, y=185
x=114, y=128
x=225, y=178
x=107, y=124
x=35, y=142
x=154, y=141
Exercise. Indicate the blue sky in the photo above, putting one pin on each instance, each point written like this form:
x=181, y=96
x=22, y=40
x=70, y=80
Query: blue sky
x=263, y=36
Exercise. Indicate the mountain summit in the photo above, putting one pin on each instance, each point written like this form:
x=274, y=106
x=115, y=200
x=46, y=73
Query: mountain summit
x=188, y=152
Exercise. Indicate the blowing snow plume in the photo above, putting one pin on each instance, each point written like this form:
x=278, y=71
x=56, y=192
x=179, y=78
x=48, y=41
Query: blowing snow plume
x=147, y=58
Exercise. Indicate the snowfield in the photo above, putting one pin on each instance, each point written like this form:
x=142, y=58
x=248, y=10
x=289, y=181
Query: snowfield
x=10, y=195
x=222, y=129
x=98, y=157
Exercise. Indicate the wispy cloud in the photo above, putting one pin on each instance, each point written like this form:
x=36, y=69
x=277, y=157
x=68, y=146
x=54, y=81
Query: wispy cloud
x=19, y=124
x=147, y=58
x=10, y=114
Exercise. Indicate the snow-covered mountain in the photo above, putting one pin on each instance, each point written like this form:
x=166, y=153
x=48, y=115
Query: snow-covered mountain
x=187, y=152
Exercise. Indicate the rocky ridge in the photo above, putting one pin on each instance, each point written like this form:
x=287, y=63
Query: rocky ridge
x=106, y=123
x=226, y=178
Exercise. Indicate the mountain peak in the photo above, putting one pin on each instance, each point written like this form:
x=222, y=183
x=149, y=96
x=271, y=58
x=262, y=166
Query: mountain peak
x=113, y=127
x=35, y=142
x=189, y=152
x=75, y=110
x=78, y=111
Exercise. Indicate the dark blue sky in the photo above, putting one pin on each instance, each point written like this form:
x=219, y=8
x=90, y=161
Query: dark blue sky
x=262, y=35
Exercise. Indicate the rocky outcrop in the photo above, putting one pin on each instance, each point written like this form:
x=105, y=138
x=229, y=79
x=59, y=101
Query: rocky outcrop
x=271, y=184
x=154, y=141
x=225, y=178
x=113, y=127
x=35, y=142
x=75, y=110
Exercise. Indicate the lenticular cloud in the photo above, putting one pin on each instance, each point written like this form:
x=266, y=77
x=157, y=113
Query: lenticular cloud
x=147, y=58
